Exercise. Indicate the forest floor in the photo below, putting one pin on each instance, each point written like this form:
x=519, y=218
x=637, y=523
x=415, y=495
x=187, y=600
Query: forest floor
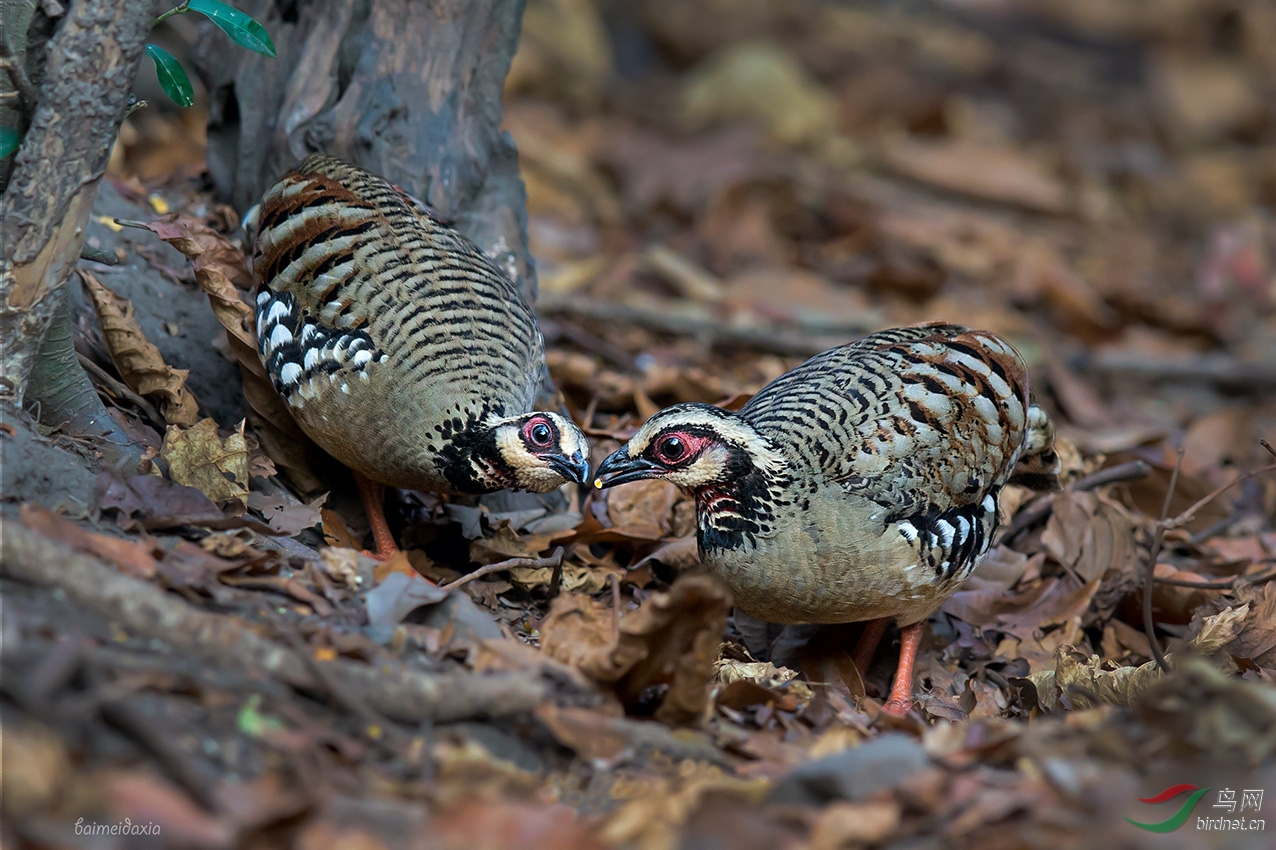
x=716, y=191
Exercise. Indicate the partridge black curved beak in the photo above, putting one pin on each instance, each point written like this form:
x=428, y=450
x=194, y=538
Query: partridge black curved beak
x=574, y=468
x=622, y=469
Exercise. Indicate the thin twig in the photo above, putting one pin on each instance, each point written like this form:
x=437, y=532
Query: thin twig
x=1239, y=376
x=1149, y=573
x=614, y=578
x=21, y=82
x=556, y=580
x=553, y=560
x=1222, y=584
x=1271, y=451
x=1190, y=514
x=1133, y=470
x=180, y=9
x=119, y=389
x=803, y=340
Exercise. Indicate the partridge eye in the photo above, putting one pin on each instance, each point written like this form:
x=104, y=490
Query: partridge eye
x=671, y=449
x=540, y=434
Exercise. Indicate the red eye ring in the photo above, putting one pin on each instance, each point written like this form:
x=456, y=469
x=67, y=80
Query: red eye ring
x=538, y=432
x=671, y=448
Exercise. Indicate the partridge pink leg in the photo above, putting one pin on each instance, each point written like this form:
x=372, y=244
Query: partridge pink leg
x=373, y=494
x=866, y=646
x=901, y=698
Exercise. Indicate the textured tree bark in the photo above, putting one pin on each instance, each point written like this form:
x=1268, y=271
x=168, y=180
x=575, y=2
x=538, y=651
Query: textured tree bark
x=409, y=89
x=92, y=60
x=400, y=692
x=62, y=396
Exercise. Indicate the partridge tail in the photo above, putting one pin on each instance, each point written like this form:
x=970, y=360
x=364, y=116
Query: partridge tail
x=1038, y=466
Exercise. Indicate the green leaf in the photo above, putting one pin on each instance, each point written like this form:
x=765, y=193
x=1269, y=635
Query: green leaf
x=252, y=721
x=243, y=29
x=172, y=77
x=10, y=139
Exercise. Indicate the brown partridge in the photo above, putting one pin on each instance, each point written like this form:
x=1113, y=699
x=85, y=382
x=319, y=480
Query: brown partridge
x=399, y=346
x=862, y=485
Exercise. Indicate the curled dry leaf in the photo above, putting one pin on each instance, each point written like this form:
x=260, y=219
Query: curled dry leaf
x=341, y=565
x=154, y=503
x=199, y=458
x=398, y=596
x=673, y=639
x=221, y=272
x=1256, y=640
x=139, y=362
x=575, y=577
x=504, y=543
x=1090, y=535
x=764, y=673
x=1079, y=681
x=204, y=246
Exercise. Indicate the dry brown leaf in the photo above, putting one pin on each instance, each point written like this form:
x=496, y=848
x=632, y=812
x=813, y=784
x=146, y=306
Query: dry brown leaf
x=147, y=799
x=221, y=272
x=643, y=508
x=575, y=577
x=590, y=732
x=139, y=362
x=133, y=558
x=1215, y=441
x=1091, y=536
x=1256, y=640
x=341, y=565
x=653, y=812
x=852, y=824
x=203, y=245
x=762, y=84
x=478, y=825
x=763, y=673
x=1002, y=174
x=283, y=512
x=199, y=458
x=1079, y=681
x=335, y=532
x=673, y=639
x=505, y=543
x=1052, y=601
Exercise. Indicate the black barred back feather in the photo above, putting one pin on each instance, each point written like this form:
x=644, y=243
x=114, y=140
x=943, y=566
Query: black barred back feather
x=394, y=340
x=862, y=484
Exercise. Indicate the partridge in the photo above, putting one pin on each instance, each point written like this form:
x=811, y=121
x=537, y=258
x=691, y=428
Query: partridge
x=398, y=346
x=862, y=485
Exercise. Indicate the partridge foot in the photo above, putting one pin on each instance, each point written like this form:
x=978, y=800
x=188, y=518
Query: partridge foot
x=900, y=701
x=373, y=495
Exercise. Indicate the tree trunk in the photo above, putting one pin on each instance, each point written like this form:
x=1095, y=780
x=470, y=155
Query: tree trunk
x=92, y=60
x=410, y=90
